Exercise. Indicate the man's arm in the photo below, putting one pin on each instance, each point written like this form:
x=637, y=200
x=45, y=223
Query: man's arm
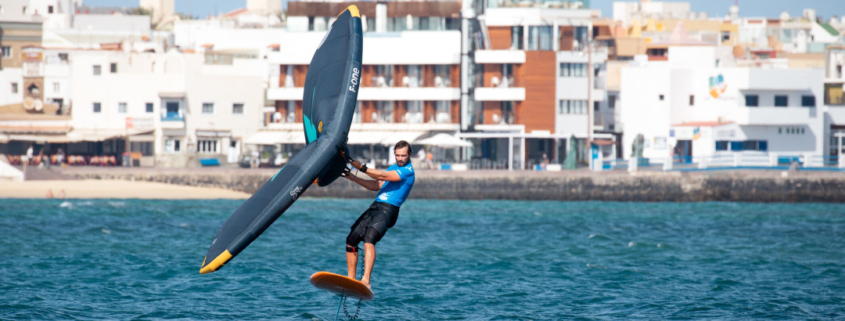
x=372, y=185
x=377, y=174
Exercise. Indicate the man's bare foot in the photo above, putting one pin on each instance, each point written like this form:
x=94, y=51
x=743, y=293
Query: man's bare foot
x=367, y=283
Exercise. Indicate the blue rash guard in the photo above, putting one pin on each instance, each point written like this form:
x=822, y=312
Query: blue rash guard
x=395, y=193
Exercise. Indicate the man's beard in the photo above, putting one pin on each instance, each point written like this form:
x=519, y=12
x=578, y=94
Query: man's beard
x=401, y=163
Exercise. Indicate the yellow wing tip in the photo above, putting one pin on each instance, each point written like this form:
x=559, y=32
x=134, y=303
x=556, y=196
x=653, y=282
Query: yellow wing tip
x=215, y=264
x=353, y=10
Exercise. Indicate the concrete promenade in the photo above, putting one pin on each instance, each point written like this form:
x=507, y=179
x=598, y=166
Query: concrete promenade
x=581, y=185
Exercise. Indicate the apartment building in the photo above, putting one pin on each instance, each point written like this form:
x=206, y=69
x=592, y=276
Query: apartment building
x=410, y=80
x=538, y=83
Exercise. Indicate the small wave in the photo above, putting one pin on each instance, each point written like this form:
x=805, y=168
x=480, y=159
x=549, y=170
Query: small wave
x=66, y=204
x=631, y=244
x=117, y=204
x=105, y=231
x=184, y=225
x=661, y=245
x=598, y=236
x=538, y=214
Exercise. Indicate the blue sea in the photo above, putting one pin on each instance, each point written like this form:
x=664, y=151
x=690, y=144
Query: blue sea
x=444, y=260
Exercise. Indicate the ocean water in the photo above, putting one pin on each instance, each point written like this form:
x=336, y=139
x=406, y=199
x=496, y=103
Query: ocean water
x=444, y=260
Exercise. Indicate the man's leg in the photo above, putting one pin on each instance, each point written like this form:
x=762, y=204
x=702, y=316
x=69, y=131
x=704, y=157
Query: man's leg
x=351, y=260
x=369, y=260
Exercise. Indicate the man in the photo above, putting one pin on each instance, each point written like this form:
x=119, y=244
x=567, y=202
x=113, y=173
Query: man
x=393, y=186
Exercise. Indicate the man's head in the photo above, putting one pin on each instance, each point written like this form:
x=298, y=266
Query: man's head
x=402, y=151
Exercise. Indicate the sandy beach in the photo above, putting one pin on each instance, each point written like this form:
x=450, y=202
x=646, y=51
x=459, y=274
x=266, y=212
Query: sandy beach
x=113, y=189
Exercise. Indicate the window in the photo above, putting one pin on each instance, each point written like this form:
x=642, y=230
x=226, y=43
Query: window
x=121, y=108
x=721, y=145
x=146, y=148
x=96, y=70
x=414, y=112
x=808, y=101
x=572, y=107
x=55, y=87
x=661, y=97
x=726, y=35
x=208, y=146
x=443, y=111
x=384, y=112
x=49, y=9
x=573, y=70
x=7, y=51
x=540, y=38
x=208, y=108
x=148, y=107
x=63, y=56
x=596, y=106
x=736, y=146
x=14, y=88
x=238, y=109
x=611, y=101
x=113, y=68
x=171, y=145
x=781, y=101
x=758, y=145
x=516, y=37
x=692, y=100
x=97, y=108
x=752, y=100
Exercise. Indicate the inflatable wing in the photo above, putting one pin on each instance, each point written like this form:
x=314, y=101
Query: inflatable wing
x=330, y=94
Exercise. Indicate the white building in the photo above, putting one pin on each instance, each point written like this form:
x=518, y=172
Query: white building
x=180, y=109
x=688, y=107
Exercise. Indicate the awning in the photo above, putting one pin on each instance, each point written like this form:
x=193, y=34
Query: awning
x=273, y=137
x=4, y=138
x=397, y=136
x=368, y=137
x=42, y=139
x=98, y=135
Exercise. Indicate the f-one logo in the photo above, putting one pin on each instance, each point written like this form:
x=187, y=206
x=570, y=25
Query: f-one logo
x=356, y=76
x=295, y=192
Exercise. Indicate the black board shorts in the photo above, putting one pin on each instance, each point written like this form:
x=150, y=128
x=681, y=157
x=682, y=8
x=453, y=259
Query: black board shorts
x=371, y=226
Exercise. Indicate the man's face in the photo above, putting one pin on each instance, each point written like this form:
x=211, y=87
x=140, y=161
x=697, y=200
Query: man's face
x=402, y=156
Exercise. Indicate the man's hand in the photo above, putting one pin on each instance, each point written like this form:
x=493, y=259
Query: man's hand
x=356, y=164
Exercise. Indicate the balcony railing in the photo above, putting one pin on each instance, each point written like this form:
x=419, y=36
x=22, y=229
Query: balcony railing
x=172, y=117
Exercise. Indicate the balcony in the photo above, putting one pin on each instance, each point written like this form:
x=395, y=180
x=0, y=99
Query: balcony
x=172, y=121
x=500, y=57
x=499, y=94
x=285, y=93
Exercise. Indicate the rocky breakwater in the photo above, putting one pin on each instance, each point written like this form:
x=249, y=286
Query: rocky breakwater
x=740, y=186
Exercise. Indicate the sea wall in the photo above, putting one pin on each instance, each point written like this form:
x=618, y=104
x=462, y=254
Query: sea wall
x=656, y=187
